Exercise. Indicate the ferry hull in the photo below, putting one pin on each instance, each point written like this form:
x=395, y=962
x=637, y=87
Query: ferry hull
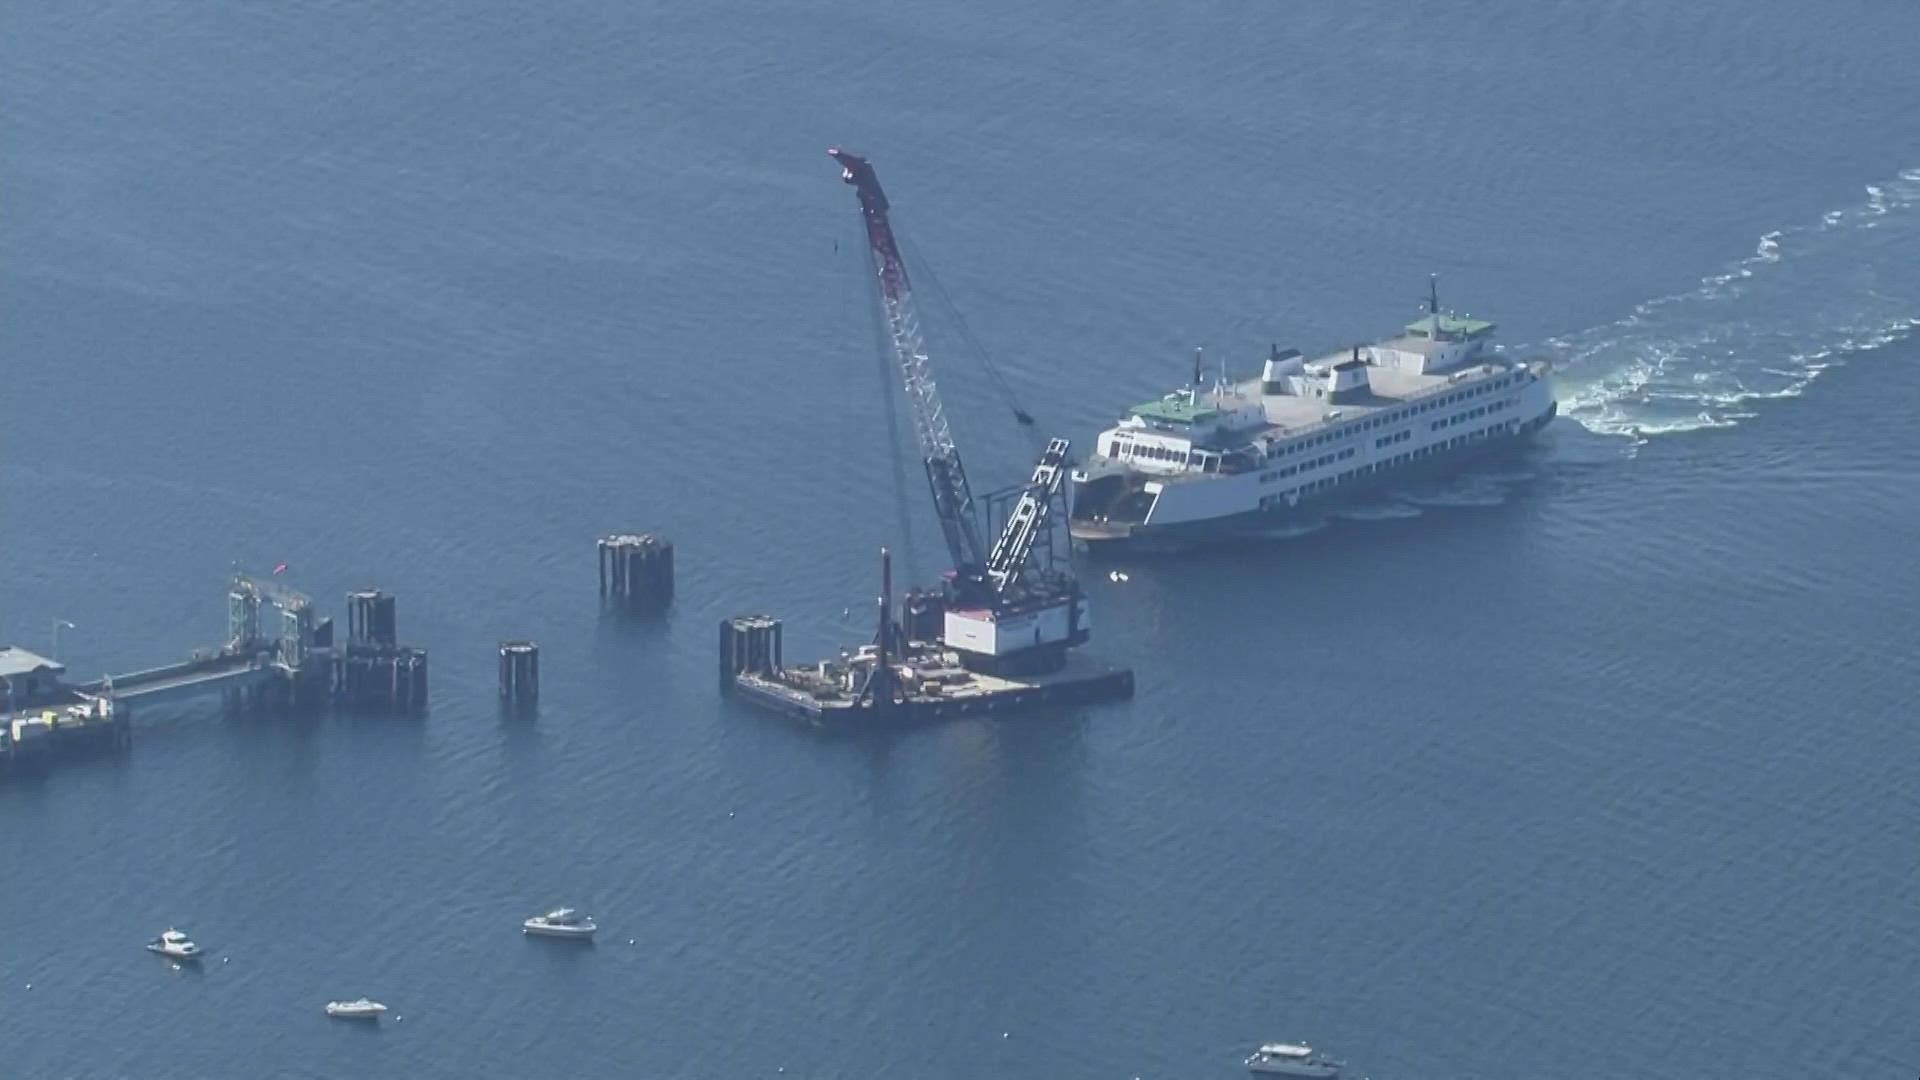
x=1124, y=538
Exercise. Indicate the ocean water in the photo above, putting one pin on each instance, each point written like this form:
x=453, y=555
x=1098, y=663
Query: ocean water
x=1596, y=763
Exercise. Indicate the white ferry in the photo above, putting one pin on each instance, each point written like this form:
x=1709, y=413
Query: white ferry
x=1202, y=463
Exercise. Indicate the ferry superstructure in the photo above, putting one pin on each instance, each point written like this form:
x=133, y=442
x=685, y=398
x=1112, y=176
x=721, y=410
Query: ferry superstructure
x=1208, y=462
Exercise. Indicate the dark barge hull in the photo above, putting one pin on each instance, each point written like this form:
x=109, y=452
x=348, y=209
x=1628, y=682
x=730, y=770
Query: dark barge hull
x=1001, y=697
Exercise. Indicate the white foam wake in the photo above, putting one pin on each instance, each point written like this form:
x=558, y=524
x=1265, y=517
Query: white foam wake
x=1764, y=328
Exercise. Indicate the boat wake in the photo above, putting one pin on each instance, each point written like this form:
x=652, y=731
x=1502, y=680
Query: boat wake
x=1809, y=297
x=1472, y=488
x=1387, y=510
x=1293, y=530
x=1466, y=490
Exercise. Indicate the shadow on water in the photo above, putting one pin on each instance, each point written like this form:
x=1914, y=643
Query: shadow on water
x=561, y=953
x=635, y=646
x=187, y=969
x=516, y=717
x=635, y=623
x=33, y=772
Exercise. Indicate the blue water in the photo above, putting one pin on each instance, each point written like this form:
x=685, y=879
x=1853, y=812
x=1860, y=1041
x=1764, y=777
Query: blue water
x=1596, y=764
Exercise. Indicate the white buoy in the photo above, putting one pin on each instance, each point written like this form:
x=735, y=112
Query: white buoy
x=1006, y=1034
x=29, y=986
x=629, y=941
x=224, y=959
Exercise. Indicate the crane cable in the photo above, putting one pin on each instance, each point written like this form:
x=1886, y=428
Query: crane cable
x=1001, y=386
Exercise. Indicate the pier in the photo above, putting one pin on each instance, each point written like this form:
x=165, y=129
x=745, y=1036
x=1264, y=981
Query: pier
x=279, y=656
x=43, y=712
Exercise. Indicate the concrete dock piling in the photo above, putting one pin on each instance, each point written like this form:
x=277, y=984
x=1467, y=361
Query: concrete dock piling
x=376, y=673
x=749, y=644
x=636, y=571
x=519, y=674
x=372, y=618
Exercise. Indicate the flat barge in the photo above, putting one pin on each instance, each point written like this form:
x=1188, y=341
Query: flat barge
x=928, y=682
x=908, y=674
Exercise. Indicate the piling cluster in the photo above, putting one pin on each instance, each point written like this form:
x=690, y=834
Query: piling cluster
x=375, y=672
x=749, y=644
x=636, y=571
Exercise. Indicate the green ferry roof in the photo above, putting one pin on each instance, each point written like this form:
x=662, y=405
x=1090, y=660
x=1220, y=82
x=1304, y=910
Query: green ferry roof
x=1176, y=411
x=1452, y=325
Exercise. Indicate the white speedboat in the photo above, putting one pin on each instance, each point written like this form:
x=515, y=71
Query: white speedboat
x=175, y=945
x=1293, y=1059
x=561, y=923
x=361, y=1009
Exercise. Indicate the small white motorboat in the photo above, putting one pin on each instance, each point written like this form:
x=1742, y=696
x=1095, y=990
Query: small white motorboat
x=1293, y=1059
x=175, y=945
x=356, y=1010
x=560, y=923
